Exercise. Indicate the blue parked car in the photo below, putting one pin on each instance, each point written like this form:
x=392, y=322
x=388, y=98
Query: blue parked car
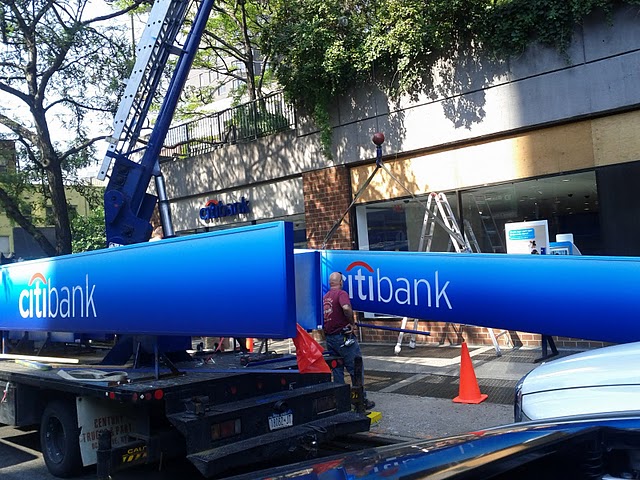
x=602, y=446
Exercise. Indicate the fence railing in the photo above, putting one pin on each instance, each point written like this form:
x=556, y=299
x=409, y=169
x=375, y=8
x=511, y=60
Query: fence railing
x=246, y=122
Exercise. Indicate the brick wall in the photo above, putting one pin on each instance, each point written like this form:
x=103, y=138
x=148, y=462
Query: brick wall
x=448, y=334
x=327, y=195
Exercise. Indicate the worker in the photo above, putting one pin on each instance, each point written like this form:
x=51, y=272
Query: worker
x=339, y=329
x=157, y=233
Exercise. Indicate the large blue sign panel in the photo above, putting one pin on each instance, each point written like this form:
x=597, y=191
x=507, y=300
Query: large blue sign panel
x=581, y=297
x=237, y=282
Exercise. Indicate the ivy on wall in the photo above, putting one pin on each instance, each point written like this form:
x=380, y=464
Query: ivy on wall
x=324, y=48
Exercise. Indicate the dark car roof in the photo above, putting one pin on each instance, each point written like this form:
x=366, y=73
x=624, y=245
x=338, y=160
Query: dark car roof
x=481, y=454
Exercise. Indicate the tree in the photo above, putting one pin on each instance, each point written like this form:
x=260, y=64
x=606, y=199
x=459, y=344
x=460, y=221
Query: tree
x=319, y=52
x=60, y=70
x=229, y=51
x=89, y=231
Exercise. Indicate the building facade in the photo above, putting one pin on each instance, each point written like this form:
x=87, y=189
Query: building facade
x=545, y=136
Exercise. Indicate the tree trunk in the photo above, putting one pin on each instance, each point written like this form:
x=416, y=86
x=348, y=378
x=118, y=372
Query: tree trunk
x=60, y=210
x=249, y=62
x=12, y=209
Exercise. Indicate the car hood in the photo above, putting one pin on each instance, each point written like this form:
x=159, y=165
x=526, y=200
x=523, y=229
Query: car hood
x=615, y=365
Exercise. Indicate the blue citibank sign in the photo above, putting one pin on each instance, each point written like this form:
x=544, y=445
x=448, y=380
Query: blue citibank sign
x=217, y=209
x=586, y=297
x=100, y=291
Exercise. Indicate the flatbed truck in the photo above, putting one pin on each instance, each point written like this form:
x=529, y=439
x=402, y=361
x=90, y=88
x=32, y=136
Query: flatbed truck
x=221, y=416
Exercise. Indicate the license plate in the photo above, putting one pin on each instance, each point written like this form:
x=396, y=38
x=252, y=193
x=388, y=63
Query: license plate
x=282, y=420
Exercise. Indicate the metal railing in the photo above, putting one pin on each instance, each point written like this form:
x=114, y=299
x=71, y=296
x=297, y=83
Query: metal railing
x=246, y=122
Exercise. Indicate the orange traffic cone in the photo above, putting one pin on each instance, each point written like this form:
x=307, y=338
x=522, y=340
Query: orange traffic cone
x=469, y=391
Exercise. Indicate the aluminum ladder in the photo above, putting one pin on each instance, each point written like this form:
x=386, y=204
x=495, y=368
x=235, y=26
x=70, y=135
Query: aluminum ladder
x=438, y=204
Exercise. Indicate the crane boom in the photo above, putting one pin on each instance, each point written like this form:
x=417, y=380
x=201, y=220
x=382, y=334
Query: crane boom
x=128, y=206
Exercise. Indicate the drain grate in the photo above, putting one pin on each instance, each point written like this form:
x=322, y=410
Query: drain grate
x=440, y=386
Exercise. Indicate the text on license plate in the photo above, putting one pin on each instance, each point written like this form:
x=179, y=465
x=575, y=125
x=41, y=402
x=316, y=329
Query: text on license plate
x=281, y=420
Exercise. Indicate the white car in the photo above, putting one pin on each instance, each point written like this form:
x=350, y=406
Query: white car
x=598, y=381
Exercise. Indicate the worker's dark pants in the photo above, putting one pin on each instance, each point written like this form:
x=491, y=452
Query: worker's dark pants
x=335, y=346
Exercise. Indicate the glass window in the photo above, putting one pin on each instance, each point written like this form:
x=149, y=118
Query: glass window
x=402, y=225
x=568, y=202
x=387, y=227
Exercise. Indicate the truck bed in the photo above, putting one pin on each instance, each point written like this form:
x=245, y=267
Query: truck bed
x=221, y=411
x=220, y=367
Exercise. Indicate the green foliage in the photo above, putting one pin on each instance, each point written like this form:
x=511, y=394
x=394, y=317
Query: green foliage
x=324, y=48
x=513, y=25
x=228, y=53
x=319, y=50
x=88, y=233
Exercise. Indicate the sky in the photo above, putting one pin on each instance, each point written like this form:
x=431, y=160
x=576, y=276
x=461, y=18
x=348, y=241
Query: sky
x=95, y=8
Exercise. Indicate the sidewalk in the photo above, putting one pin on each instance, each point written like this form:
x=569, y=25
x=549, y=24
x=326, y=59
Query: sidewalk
x=414, y=390
x=433, y=371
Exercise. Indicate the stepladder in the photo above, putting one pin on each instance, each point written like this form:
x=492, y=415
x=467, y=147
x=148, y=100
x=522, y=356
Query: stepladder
x=457, y=328
x=439, y=211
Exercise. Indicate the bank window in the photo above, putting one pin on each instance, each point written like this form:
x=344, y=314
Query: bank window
x=569, y=203
x=397, y=225
x=387, y=227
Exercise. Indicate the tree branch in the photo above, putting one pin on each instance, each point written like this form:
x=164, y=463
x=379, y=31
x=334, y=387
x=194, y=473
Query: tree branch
x=32, y=156
x=78, y=148
x=118, y=13
x=75, y=103
x=16, y=93
x=18, y=129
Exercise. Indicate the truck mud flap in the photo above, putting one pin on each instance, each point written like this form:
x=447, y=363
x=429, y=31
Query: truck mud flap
x=277, y=444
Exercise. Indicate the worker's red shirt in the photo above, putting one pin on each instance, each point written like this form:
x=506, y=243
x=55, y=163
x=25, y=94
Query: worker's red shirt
x=334, y=317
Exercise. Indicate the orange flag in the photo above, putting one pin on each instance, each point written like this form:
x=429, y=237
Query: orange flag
x=309, y=353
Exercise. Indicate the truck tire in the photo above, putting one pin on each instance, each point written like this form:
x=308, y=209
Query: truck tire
x=59, y=439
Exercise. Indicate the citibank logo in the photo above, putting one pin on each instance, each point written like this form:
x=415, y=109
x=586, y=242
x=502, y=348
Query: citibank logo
x=217, y=209
x=42, y=299
x=368, y=284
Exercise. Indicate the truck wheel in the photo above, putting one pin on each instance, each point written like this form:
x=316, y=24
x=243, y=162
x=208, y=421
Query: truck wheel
x=59, y=439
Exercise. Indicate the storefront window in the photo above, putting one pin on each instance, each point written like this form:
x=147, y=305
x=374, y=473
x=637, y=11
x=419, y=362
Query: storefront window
x=387, y=227
x=398, y=225
x=568, y=202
